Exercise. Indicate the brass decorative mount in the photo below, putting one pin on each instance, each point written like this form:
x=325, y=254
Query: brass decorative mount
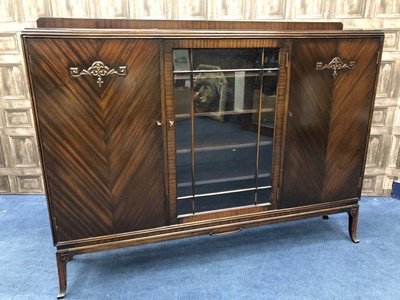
x=336, y=64
x=97, y=69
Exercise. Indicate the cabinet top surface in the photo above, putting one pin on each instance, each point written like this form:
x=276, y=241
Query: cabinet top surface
x=167, y=29
x=196, y=34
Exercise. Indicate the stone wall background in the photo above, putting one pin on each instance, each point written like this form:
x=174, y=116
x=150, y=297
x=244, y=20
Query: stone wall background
x=19, y=161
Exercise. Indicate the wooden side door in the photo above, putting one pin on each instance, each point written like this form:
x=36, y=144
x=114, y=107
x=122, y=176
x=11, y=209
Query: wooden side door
x=351, y=112
x=328, y=120
x=101, y=148
x=307, y=128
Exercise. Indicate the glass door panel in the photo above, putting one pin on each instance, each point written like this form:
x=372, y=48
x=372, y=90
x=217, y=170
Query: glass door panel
x=224, y=108
x=183, y=129
x=226, y=59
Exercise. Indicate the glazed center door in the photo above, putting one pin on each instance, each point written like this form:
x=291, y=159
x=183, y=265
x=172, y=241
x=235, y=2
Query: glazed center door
x=97, y=102
x=224, y=115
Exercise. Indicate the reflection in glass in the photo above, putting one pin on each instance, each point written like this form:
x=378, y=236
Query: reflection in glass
x=183, y=129
x=224, y=109
x=226, y=59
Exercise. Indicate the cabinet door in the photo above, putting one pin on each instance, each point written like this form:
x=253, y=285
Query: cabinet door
x=351, y=111
x=102, y=150
x=224, y=124
x=327, y=120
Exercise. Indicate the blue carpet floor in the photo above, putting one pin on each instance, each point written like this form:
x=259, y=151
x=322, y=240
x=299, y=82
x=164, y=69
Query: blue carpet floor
x=308, y=259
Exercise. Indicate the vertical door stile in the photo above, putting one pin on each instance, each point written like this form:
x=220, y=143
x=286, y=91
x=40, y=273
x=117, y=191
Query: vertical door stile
x=165, y=129
x=260, y=96
x=192, y=132
x=282, y=115
x=170, y=144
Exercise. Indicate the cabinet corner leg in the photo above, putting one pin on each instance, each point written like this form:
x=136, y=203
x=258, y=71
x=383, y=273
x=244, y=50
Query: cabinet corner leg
x=62, y=259
x=353, y=219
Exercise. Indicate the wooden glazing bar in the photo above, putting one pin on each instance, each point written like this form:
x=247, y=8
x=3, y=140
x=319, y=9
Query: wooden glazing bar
x=259, y=126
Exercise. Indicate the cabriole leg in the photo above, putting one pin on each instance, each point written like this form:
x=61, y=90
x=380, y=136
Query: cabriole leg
x=353, y=219
x=62, y=259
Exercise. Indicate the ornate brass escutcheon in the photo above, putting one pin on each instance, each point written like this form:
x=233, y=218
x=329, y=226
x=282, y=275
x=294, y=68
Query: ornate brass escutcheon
x=336, y=64
x=97, y=69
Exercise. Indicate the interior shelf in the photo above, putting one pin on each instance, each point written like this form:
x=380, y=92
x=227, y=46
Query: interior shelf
x=221, y=180
x=223, y=147
x=223, y=113
x=215, y=135
x=227, y=192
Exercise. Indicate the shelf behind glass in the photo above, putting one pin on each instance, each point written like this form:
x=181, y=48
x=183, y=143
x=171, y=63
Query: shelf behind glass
x=224, y=201
x=222, y=147
x=238, y=182
x=212, y=133
x=224, y=115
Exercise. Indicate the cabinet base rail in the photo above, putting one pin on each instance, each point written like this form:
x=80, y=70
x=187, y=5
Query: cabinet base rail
x=65, y=253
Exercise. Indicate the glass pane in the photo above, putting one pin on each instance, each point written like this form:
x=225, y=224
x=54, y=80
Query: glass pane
x=271, y=58
x=267, y=128
x=224, y=152
x=224, y=201
x=181, y=60
x=204, y=59
x=221, y=91
x=185, y=207
x=183, y=129
x=225, y=134
x=184, y=174
x=267, y=118
x=263, y=196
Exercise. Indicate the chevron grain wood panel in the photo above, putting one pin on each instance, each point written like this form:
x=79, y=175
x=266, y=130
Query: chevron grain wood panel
x=328, y=120
x=102, y=150
x=310, y=97
x=134, y=141
x=351, y=110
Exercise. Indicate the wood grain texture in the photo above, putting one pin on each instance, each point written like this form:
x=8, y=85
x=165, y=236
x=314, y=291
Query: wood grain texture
x=185, y=24
x=135, y=156
x=328, y=121
x=103, y=153
x=223, y=213
x=170, y=137
x=226, y=223
x=74, y=159
x=361, y=14
x=307, y=128
x=279, y=123
x=353, y=98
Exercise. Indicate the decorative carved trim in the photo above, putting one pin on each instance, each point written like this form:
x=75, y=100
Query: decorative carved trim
x=336, y=64
x=353, y=211
x=65, y=257
x=97, y=69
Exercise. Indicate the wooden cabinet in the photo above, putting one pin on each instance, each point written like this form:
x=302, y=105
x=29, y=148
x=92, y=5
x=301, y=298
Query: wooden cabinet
x=197, y=127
